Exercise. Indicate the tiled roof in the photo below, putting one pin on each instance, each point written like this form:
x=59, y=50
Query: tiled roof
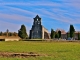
x=77, y=31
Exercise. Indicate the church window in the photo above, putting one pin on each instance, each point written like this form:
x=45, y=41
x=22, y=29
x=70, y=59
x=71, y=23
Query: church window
x=37, y=31
x=38, y=22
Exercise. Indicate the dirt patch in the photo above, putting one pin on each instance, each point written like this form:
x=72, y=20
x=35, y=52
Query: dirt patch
x=22, y=55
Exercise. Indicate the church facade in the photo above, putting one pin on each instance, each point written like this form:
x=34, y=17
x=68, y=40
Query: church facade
x=38, y=31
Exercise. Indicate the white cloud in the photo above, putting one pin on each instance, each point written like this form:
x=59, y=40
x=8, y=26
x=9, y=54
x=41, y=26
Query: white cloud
x=31, y=3
x=61, y=17
x=15, y=17
x=60, y=10
x=12, y=27
x=21, y=10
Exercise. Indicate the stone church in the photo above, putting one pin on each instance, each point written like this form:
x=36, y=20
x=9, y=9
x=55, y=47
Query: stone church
x=38, y=31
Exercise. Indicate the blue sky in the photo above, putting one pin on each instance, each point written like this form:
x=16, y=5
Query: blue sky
x=56, y=14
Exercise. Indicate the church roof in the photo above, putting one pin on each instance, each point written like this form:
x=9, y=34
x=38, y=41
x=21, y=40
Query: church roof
x=44, y=27
x=37, y=16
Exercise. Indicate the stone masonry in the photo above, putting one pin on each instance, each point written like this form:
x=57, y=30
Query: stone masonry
x=38, y=31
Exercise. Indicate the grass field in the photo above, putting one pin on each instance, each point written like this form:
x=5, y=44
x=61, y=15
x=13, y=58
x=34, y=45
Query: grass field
x=52, y=50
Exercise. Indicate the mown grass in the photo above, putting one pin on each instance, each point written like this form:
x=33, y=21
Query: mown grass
x=53, y=50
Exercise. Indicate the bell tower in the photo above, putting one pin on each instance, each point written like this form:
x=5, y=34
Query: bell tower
x=36, y=30
x=37, y=20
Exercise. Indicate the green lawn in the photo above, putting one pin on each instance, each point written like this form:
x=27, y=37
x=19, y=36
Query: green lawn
x=54, y=50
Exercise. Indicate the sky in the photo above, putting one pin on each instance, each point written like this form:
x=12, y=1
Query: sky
x=55, y=14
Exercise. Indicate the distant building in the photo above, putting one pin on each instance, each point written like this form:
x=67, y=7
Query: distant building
x=9, y=36
x=65, y=35
x=38, y=31
x=75, y=35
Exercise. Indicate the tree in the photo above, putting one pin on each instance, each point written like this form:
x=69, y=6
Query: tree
x=59, y=33
x=1, y=33
x=78, y=36
x=71, y=31
x=10, y=34
x=7, y=33
x=52, y=34
x=14, y=34
x=22, y=32
x=56, y=35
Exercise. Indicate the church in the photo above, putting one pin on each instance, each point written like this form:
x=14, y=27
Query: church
x=38, y=31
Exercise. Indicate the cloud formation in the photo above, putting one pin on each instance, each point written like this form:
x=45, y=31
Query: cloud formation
x=11, y=26
x=58, y=11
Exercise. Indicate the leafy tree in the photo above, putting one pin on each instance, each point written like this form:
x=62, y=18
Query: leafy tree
x=59, y=33
x=78, y=36
x=52, y=34
x=56, y=35
x=1, y=33
x=14, y=34
x=72, y=30
x=7, y=31
x=10, y=34
x=22, y=32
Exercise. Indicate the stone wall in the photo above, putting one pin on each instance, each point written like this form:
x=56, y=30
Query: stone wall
x=38, y=31
x=45, y=33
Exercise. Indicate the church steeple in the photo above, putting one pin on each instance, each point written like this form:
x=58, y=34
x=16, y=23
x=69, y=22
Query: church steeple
x=37, y=20
x=38, y=31
x=37, y=16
